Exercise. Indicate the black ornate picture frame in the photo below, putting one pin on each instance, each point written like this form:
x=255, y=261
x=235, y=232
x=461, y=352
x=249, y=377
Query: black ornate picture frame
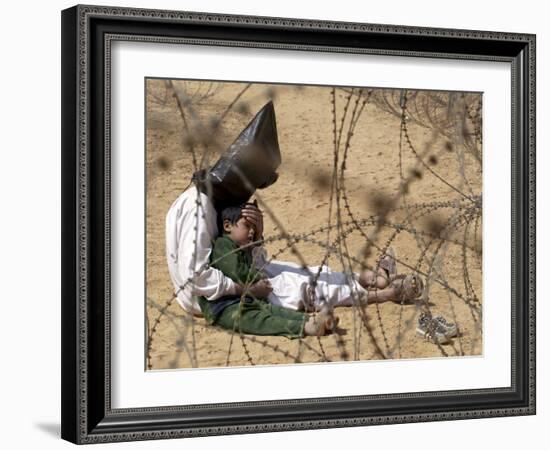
x=87, y=35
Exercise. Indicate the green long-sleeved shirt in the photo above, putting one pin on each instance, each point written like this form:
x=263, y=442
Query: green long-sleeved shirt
x=234, y=263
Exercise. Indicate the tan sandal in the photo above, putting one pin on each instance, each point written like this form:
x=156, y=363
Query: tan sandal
x=326, y=314
x=388, y=263
x=408, y=287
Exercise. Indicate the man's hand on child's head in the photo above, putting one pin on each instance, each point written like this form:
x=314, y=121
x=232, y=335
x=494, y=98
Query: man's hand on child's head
x=261, y=289
x=252, y=213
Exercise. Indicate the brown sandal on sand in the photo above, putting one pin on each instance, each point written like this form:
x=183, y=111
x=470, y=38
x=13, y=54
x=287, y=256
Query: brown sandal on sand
x=388, y=263
x=326, y=315
x=331, y=322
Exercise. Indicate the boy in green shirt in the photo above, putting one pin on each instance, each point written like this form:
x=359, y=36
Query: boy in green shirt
x=251, y=313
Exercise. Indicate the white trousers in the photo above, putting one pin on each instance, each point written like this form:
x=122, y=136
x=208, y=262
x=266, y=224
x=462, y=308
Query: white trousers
x=291, y=285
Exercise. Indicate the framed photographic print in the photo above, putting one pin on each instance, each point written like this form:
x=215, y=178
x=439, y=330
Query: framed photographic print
x=282, y=224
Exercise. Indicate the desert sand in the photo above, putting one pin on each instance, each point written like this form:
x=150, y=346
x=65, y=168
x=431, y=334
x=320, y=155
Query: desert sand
x=380, y=156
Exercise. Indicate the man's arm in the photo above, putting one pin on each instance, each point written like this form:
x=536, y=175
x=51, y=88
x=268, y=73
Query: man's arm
x=190, y=228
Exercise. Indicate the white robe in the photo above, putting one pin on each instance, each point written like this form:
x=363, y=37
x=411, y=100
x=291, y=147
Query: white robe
x=192, y=217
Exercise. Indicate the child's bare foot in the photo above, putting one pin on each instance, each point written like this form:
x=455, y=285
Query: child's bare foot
x=322, y=323
x=314, y=327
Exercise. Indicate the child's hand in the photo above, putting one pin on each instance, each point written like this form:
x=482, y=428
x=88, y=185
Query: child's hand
x=261, y=289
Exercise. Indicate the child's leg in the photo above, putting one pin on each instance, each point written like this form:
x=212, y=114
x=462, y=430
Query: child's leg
x=255, y=318
x=316, y=325
x=285, y=313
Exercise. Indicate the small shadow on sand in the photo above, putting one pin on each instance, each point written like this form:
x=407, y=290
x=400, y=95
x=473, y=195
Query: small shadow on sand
x=53, y=429
x=413, y=303
x=340, y=331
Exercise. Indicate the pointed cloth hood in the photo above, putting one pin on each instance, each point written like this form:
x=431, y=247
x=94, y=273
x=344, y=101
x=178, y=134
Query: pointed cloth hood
x=248, y=164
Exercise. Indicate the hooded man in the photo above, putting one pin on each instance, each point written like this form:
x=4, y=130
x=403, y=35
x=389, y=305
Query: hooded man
x=249, y=163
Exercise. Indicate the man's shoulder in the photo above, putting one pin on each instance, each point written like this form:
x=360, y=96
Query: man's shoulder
x=190, y=198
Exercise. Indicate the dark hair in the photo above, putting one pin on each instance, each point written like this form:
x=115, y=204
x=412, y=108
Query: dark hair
x=231, y=213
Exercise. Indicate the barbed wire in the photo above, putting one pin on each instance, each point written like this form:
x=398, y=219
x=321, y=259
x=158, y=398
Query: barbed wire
x=436, y=227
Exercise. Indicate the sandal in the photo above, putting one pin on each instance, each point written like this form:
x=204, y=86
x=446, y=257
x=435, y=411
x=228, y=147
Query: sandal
x=408, y=287
x=326, y=315
x=388, y=263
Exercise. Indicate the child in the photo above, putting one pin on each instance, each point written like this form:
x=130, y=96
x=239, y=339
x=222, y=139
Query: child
x=251, y=313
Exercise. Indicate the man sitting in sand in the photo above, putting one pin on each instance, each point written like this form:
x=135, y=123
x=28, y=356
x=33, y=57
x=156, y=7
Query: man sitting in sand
x=250, y=163
x=251, y=313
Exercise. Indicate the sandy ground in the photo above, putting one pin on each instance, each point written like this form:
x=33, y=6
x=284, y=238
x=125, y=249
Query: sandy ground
x=300, y=201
